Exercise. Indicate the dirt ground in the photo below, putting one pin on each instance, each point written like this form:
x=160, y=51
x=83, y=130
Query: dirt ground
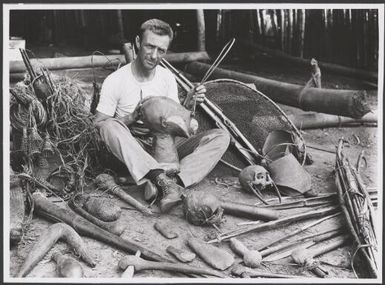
x=140, y=228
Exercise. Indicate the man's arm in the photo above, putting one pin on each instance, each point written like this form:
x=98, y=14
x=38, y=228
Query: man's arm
x=127, y=120
x=100, y=118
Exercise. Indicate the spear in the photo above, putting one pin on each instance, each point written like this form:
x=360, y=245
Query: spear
x=302, y=229
x=277, y=223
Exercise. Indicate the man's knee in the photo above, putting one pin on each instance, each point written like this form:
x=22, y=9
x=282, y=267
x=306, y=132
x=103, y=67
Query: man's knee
x=222, y=137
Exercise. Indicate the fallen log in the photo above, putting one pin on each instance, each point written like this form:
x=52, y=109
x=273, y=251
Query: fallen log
x=349, y=103
x=318, y=120
x=99, y=61
x=326, y=66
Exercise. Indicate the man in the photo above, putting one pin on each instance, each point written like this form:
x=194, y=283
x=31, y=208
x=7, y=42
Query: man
x=117, y=115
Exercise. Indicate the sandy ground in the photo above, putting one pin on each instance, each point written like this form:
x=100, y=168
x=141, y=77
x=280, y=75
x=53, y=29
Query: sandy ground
x=140, y=228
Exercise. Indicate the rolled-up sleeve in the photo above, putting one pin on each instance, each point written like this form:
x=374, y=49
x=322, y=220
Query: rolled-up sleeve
x=107, y=102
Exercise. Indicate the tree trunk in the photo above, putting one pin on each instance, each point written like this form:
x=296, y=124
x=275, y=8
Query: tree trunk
x=262, y=25
x=201, y=44
x=301, y=31
x=98, y=60
x=219, y=27
x=119, y=18
x=349, y=103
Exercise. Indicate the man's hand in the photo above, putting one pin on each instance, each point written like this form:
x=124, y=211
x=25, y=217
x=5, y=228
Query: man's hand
x=197, y=94
x=134, y=116
x=200, y=94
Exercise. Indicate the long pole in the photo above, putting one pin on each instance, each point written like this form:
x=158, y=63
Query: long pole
x=248, y=151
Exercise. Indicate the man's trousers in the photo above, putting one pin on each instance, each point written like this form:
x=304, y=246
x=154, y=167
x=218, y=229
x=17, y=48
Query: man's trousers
x=198, y=154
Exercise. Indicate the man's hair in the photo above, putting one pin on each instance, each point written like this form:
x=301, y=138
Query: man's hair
x=158, y=27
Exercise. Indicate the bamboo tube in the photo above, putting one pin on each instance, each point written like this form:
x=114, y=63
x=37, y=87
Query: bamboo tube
x=249, y=211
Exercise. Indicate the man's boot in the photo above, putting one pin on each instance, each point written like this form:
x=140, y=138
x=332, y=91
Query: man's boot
x=171, y=192
x=150, y=191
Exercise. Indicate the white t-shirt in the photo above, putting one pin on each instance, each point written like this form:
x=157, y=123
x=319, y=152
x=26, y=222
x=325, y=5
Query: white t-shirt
x=121, y=92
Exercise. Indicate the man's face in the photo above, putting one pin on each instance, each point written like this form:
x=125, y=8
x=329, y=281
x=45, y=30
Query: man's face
x=152, y=48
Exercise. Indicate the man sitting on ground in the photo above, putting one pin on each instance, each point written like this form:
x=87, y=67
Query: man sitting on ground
x=117, y=115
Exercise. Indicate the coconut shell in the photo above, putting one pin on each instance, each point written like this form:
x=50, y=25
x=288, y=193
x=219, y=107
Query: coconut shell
x=103, y=208
x=202, y=208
